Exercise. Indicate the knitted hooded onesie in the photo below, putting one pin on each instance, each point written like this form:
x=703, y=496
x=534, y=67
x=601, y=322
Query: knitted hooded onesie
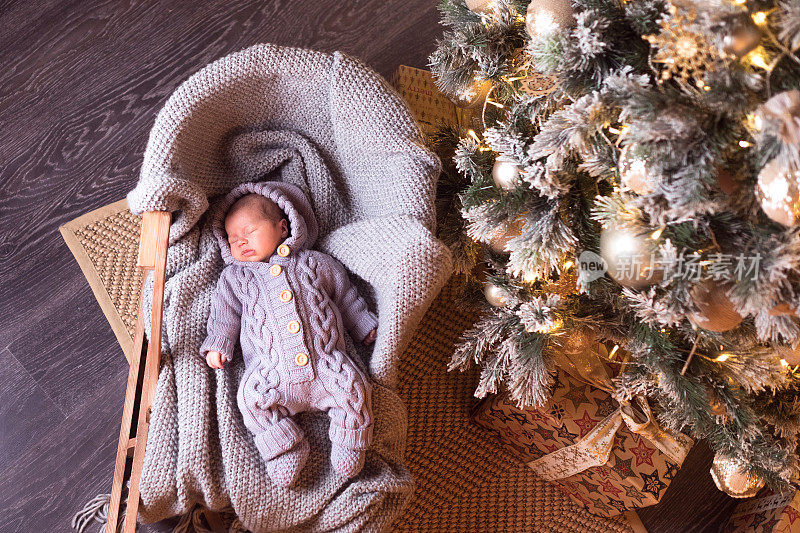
x=291, y=369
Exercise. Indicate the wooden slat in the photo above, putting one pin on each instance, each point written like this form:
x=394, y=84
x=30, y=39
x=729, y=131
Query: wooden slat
x=131, y=396
x=142, y=375
x=153, y=360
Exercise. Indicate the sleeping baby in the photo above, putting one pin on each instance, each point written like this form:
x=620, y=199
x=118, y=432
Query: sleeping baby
x=288, y=306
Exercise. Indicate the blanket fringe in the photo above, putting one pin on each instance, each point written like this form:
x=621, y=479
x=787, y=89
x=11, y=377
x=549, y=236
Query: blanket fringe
x=96, y=510
x=198, y=520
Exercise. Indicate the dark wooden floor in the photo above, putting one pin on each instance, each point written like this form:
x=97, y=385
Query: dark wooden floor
x=80, y=85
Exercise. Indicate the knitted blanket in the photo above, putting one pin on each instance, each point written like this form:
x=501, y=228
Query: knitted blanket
x=331, y=126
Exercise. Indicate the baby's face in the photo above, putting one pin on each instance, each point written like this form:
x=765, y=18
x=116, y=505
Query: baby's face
x=252, y=236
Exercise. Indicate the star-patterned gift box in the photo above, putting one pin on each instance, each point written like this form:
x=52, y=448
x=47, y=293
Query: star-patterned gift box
x=637, y=473
x=767, y=513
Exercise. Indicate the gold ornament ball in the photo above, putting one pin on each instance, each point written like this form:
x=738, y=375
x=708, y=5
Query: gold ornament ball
x=731, y=478
x=505, y=173
x=716, y=311
x=476, y=95
x=547, y=16
x=788, y=354
x=496, y=296
x=779, y=191
x=633, y=171
x=479, y=6
x=743, y=38
x=507, y=231
x=578, y=341
x=629, y=257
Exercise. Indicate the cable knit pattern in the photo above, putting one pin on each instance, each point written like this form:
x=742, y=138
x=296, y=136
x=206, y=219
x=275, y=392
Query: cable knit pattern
x=253, y=293
x=334, y=128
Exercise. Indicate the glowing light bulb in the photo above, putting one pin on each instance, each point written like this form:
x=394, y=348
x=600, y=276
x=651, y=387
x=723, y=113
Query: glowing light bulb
x=760, y=18
x=722, y=357
x=745, y=144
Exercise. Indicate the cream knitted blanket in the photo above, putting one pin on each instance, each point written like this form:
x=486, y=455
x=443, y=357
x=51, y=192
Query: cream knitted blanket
x=328, y=124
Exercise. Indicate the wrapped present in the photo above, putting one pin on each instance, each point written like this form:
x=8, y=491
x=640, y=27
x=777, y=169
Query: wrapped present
x=430, y=107
x=767, y=513
x=610, y=457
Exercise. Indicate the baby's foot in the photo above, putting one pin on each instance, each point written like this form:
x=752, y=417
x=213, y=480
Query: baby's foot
x=285, y=468
x=346, y=462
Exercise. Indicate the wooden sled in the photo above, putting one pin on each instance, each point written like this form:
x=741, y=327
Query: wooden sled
x=142, y=376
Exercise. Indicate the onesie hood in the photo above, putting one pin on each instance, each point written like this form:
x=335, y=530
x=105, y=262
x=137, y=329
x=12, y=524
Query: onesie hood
x=303, y=229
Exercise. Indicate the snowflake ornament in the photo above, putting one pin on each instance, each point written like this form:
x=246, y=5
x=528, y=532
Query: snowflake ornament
x=684, y=54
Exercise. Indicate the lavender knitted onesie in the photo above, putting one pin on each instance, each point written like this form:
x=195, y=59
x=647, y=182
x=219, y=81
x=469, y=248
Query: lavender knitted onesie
x=289, y=313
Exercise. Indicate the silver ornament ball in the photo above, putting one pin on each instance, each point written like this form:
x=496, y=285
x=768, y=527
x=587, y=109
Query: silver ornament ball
x=743, y=38
x=779, y=192
x=505, y=173
x=629, y=257
x=634, y=172
x=547, y=16
x=496, y=296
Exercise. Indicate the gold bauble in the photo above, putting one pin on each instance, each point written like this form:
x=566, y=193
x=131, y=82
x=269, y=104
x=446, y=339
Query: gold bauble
x=788, y=354
x=715, y=406
x=633, y=171
x=743, y=38
x=496, y=296
x=537, y=84
x=475, y=95
x=783, y=309
x=779, y=192
x=727, y=182
x=578, y=341
x=507, y=231
x=479, y=6
x=629, y=257
x=715, y=310
x=547, y=16
x=505, y=173
x=731, y=478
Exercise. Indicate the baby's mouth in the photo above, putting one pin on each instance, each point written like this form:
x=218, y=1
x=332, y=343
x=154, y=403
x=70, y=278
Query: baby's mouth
x=248, y=253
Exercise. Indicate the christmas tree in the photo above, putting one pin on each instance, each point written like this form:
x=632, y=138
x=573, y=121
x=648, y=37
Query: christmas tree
x=633, y=175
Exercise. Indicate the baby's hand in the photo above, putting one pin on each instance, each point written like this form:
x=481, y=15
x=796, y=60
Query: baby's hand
x=370, y=338
x=215, y=359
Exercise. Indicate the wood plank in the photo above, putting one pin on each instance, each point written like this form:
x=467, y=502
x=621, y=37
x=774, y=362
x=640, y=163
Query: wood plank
x=27, y=414
x=70, y=352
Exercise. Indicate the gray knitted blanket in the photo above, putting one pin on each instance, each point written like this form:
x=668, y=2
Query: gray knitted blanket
x=328, y=124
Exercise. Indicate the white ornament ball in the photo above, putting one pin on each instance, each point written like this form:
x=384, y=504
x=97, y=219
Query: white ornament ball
x=634, y=172
x=548, y=16
x=779, y=192
x=505, y=173
x=479, y=6
x=496, y=296
x=629, y=257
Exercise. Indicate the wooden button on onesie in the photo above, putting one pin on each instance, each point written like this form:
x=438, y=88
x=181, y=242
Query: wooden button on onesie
x=289, y=312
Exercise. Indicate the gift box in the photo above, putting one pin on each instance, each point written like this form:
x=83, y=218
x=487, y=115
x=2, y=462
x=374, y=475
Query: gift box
x=767, y=513
x=610, y=458
x=430, y=107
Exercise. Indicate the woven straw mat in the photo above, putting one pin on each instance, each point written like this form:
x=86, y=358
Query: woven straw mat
x=465, y=480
